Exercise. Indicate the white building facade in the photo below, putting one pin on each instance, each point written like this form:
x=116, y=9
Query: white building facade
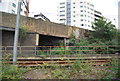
x=79, y=13
x=10, y=6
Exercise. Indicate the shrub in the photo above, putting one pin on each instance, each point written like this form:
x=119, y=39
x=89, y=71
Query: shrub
x=40, y=52
x=12, y=71
x=59, y=51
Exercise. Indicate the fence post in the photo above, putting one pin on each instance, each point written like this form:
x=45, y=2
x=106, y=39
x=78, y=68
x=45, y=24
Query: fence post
x=5, y=49
x=65, y=45
x=50, y=50
x=20, y=50
x=107, y=49
x=35, y=51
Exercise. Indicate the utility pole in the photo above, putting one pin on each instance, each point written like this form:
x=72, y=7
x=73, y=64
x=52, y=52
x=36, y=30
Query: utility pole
x=16, y=33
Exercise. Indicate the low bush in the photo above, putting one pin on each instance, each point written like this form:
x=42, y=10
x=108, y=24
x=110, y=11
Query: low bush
x=59, y=51
x=10, y=71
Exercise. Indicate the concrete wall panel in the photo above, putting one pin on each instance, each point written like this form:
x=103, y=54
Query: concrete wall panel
x=41, y=27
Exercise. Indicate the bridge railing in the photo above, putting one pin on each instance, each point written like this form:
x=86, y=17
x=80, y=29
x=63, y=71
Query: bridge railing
x=61, y=50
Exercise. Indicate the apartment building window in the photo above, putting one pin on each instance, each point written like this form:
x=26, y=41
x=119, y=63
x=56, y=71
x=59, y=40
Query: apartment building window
x=68, y=22
x=14, y=5
x=81, y=20
x=73, y=11
x=0, y=1
x=68, y=4
x=68, y=13
x=73, y=2
x=62, y=3
x=81, y=2
x=81, y=15
x=62, y=15
x=13, y=11
x=73, y=20
x=62, y=7
x=81, y=10
x=88, y=25
x=92, y=5
x=91, y=9
x=74, y=7
x=62, y=11
x=82, y=24
x=85, y=6
x=88, y=3
x=68, y=8
x=73, y=15
x=62, y=19
x=81, y=6
x=68, y=17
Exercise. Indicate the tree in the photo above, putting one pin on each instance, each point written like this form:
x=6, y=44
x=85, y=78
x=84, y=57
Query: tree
x=103, y=30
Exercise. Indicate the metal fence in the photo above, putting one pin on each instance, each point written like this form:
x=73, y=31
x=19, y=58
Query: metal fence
x=61, y=50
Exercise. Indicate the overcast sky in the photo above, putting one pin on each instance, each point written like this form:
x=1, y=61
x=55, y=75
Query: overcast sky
x=108, y=8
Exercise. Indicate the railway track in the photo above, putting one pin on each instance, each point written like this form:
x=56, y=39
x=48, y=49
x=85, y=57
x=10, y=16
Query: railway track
x=61, y=61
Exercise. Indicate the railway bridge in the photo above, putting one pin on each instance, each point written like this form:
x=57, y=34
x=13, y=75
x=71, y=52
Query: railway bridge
x=39, y=32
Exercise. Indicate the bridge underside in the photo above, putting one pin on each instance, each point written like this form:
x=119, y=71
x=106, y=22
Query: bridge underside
x=31, y=39
x=45, y=40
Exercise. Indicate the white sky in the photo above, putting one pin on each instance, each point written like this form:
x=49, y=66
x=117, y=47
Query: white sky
x=109, y=8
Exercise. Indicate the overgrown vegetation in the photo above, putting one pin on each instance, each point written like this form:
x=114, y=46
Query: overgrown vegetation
x=80, y=70
x=104, y=34
x=103, y=30
x=12, y=71
x=22, y=33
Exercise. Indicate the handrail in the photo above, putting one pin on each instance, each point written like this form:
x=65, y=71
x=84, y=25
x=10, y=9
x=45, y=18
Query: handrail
x=65, y=49
x=68, y=46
